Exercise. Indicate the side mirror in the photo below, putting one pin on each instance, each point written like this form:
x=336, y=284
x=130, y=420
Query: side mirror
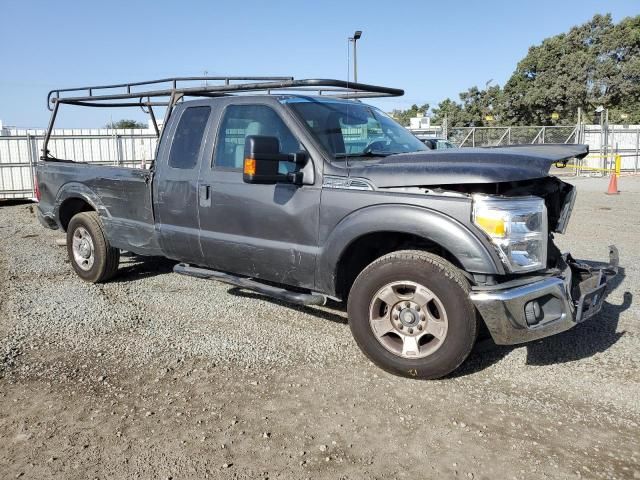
x=262, y=159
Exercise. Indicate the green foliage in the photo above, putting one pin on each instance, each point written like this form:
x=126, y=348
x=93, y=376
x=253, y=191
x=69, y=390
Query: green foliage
x=403, y=116
x=451, y=111
x=597, y=63
x=477, y=105
x=125, y=124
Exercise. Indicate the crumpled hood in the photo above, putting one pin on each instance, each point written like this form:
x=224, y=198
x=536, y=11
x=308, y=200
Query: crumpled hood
x=464, y=165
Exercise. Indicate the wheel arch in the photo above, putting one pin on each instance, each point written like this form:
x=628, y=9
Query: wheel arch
x=369, y=233
x=74, y=198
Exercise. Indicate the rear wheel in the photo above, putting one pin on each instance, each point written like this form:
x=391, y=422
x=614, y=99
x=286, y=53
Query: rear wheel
x=90, y=253
x=410, y=313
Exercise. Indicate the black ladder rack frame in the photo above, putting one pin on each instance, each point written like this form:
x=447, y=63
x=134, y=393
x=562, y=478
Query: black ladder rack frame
x=105, y=96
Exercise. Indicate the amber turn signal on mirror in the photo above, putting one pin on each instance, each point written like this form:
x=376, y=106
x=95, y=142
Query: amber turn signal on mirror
x=249, y=166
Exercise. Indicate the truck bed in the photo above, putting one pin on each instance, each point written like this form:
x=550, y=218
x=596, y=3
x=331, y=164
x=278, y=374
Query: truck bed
x=121, y=196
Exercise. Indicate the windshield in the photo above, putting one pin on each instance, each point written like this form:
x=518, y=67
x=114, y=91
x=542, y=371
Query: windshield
x=351, y=129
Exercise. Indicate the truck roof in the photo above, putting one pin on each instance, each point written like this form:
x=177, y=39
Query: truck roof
x=290, y=98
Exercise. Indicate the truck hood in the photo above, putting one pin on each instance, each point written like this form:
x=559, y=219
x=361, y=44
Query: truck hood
x=464, y=165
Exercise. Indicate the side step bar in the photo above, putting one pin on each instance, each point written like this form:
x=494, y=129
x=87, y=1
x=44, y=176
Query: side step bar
x=249, y=284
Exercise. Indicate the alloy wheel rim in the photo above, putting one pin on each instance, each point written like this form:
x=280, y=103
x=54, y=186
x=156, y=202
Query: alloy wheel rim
x=408, y=319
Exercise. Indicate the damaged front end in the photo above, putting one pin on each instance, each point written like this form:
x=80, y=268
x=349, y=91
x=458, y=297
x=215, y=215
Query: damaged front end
x=543, y=291
x=517, y=311
x=528, y=211
x=517, y=207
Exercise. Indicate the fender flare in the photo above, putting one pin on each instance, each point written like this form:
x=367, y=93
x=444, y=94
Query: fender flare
x=474, y=255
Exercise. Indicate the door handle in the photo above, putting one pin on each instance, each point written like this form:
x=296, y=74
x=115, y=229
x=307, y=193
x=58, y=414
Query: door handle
x=205, y=195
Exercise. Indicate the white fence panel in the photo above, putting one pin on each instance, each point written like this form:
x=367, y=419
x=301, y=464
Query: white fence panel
x=623, y=140
x=20, y=150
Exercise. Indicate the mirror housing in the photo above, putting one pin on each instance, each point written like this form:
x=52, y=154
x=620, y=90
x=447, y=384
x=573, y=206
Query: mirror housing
x=262, y=159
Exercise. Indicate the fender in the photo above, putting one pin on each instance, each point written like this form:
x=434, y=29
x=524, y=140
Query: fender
x=78, y=190
x=462, y=243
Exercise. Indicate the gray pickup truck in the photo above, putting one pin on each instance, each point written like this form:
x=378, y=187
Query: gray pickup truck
x=298, y=190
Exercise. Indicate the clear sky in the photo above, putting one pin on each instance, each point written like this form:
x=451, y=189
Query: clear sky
x=432, y=49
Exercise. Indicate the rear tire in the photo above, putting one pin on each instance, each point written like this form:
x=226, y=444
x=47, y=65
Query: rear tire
x=410, y=313
x=90, y=253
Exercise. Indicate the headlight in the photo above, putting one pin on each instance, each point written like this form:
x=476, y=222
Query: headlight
x=517, y=227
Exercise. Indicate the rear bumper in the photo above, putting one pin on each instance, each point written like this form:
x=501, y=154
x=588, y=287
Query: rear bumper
x=46, y=221
x=547, y=306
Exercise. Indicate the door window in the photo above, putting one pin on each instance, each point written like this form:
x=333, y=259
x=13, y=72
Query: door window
x=239, y=122
x=188, y=137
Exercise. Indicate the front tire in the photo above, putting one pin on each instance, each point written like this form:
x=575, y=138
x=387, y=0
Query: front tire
x=90, y=253
x=410, y=313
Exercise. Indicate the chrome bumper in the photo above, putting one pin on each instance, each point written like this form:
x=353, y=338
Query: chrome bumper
x=547, y=306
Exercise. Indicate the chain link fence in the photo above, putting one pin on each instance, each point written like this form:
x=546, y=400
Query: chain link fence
x=496, y=136
x=604, y=143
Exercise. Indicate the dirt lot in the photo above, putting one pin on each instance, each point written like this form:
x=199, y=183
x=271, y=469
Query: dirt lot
x=155, y=375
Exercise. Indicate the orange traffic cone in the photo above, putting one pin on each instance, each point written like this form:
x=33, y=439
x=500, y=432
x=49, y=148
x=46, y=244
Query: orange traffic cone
x=613, y=185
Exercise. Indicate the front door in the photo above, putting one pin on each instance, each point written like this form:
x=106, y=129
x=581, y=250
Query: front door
x=263, y=231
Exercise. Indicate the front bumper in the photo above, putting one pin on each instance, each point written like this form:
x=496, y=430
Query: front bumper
x=545, y=306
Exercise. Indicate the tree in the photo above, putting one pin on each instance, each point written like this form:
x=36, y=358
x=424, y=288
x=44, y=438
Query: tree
x=597, y=63
x=482, y=107
x=476, y=106
x=125, y=124
x=403, y=116
x=452, y=111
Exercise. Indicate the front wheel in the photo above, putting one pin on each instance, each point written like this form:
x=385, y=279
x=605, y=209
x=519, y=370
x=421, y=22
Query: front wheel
x=410, y=313
x=90, y=253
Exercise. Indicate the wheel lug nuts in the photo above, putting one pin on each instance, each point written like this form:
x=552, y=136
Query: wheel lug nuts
x=411, y=330
x=419, y=327
x=400, y=327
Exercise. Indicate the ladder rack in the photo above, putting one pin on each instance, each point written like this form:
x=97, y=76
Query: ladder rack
x=106, y=95
x=166, y=92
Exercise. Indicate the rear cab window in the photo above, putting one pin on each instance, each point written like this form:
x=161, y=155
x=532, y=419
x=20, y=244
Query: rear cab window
x=188, y=137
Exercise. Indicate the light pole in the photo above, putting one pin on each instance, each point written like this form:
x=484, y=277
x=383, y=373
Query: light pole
x=354, y=39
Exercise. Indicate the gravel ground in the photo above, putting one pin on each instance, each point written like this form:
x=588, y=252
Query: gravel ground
x=156, y=375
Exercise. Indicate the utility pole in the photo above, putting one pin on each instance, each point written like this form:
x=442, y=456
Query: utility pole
x=578, y=137
x=354, y=39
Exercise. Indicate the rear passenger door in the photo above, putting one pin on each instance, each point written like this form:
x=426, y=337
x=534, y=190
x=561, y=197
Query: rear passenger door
x=175, y=193
x=264, y=231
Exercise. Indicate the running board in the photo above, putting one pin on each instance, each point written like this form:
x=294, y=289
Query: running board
x=249, y=284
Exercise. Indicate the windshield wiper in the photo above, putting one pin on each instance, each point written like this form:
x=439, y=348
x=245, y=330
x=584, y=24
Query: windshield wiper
x=372, y=153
